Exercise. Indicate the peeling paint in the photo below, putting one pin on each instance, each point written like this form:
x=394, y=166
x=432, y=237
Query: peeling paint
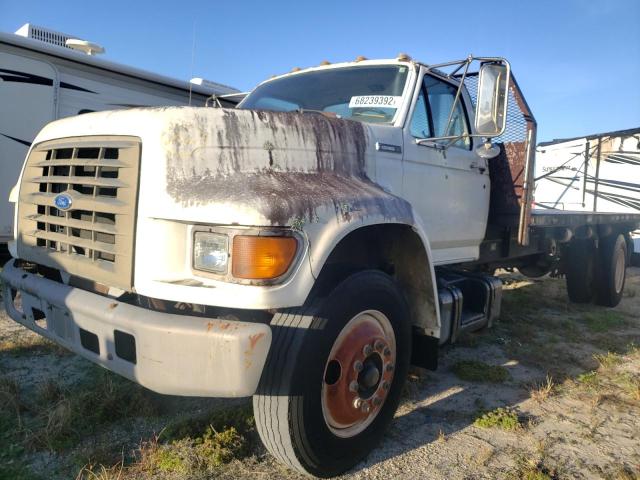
x=284, y=165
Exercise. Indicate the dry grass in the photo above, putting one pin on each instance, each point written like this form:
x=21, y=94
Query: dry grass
x=193, y=446
x=62, y=416
x=543, y=390
x=608, y=360
x=586, y=351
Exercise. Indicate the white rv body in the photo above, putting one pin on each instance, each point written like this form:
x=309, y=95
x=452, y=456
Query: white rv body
x=42, y=80
x=595, y=173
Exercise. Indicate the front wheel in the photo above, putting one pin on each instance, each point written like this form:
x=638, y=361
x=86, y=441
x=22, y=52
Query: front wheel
x=333, y=378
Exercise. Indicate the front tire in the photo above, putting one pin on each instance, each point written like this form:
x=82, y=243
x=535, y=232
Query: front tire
x=612, y=270
x=333, y=378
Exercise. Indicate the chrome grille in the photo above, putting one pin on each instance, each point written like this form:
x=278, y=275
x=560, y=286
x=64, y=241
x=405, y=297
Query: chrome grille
x=93, y=237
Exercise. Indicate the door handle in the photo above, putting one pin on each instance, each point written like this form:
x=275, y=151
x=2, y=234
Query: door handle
x=476, y=166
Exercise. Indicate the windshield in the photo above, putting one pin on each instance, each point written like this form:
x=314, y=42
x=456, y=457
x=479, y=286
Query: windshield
x=366, y=93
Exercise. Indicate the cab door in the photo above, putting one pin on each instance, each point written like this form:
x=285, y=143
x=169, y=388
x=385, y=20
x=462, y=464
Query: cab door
x=448, y=184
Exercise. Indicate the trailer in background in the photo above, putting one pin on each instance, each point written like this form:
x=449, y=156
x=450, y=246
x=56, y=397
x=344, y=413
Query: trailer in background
x=46, y=75
x=595, y=173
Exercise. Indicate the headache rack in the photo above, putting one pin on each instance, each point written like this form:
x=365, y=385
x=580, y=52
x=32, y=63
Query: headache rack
x=77, y=207
x=512, y=171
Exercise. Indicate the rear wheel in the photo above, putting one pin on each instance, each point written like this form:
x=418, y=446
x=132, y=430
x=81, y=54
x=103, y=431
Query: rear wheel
x=612, y=270
x=581, y=270
x=333, y=378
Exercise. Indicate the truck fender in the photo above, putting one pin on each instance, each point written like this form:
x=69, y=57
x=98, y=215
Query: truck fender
x=416, y=275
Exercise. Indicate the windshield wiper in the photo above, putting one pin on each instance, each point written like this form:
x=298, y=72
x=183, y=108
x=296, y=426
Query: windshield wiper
x=320, y=112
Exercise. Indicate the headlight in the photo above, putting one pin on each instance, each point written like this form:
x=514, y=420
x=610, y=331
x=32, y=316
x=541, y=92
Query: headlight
x=211, y=252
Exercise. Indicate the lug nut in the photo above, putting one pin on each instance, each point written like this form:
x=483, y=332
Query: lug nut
x=379, y=346
x=367, y=350
x=365, y=407
x=353, y=386
x=357, y=403
x=389, y=367
x=387, y=352
x=357, y=366
x=385, y=385
x=377, y=401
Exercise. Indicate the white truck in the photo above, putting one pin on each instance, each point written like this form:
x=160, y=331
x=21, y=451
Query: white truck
x=304, y=248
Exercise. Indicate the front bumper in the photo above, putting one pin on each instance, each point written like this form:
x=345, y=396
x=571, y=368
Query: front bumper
x=167, y=353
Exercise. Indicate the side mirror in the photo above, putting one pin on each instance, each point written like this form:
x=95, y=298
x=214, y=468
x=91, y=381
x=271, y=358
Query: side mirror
x=491, y=103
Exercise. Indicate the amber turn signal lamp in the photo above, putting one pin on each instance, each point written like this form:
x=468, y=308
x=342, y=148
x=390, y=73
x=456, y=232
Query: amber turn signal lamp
x=262, y=258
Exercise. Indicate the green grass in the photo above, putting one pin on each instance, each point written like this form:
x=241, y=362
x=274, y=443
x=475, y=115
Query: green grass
x=168, y=460
x=603, y=321
x=64, y=415
x=476, y=371
x=502, y=418
x=56, y=418
x=27, y=344
x=12, y=465
x=588, y=379
x=200, y=445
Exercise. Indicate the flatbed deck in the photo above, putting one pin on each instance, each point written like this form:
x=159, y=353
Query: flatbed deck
x=576, y=218
x=501, y=248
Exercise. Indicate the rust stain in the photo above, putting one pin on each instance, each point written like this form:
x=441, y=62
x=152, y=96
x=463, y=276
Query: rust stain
x=112, y=306
x=219, y=325
x=253, y=340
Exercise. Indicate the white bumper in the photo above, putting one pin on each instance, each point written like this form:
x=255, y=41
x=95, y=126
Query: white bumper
x=171, y=354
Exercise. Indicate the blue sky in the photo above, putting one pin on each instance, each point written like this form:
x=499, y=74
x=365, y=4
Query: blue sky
x=577, y=61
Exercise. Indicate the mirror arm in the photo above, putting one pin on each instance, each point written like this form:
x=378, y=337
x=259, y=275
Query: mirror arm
x=458, y=92
x=431, y=142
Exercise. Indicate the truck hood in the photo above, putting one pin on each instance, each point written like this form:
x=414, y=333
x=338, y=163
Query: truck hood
x=245, y=167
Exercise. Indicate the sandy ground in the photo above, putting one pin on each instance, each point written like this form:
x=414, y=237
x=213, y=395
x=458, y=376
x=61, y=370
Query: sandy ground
x=584, y=425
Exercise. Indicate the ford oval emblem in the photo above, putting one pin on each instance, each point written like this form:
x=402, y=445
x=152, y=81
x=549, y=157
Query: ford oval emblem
x=63, y=201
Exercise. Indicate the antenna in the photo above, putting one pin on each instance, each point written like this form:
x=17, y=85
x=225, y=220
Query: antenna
x=193, y=56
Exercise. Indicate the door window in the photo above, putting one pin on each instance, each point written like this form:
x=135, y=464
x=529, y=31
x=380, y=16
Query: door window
x=420, y=126
x=441, y=96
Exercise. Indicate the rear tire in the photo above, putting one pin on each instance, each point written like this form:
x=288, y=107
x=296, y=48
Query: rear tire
x=294, y=415
x=581, y=270
x=612, y=265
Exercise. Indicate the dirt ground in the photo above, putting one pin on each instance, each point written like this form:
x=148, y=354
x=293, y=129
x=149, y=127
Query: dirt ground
x=552, y=391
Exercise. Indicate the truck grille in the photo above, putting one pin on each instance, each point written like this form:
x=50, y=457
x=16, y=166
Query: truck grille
x=89, y=232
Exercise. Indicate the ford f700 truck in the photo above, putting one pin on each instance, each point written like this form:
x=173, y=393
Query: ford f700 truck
x=304, y=248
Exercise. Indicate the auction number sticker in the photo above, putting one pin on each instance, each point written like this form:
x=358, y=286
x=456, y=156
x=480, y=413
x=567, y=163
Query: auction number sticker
x=384, y=101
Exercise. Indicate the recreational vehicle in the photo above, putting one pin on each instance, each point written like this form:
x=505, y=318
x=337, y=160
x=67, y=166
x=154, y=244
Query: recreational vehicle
x=596, y=173
x=47, y=75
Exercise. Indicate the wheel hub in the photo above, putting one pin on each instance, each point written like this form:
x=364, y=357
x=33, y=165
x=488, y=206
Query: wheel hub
x=369, y=377
x=365, y=351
